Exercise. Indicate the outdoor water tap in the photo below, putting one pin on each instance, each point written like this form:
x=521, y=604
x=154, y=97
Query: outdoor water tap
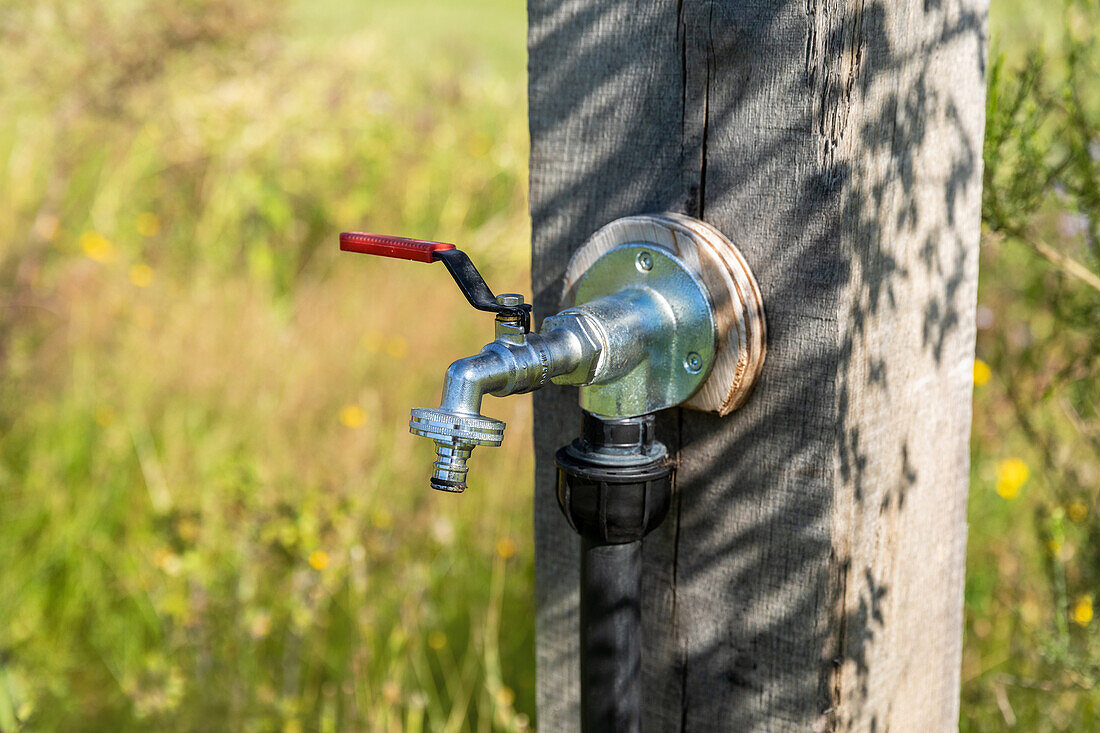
x=642, y=338
x=515, y=361
x=664, y=312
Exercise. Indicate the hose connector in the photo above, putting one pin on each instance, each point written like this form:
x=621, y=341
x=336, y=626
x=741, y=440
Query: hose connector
x=455, y=435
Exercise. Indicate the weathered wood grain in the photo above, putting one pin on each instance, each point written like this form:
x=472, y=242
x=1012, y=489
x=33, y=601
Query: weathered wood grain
x=809, y=576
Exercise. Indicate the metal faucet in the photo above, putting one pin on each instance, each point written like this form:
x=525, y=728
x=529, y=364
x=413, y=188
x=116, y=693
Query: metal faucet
x=643, y=333
x=641, y=338
x=515, y=362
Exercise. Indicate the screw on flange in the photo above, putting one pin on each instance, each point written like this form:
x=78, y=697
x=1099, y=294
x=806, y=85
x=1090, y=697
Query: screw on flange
x=693, y=363
x=644, y=261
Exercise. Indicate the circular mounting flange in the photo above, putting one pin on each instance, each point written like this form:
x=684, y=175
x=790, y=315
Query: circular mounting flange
x=674, y=319
x=739, y=308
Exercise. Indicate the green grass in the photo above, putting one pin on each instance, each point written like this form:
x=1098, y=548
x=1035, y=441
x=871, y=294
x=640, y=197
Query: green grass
x=211, y=514
x=1032, y=653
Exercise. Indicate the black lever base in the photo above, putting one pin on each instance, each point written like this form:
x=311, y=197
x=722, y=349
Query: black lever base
x=477, y=292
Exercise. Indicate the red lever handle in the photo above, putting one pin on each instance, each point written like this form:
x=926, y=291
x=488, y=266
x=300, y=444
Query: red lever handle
x=418, y=250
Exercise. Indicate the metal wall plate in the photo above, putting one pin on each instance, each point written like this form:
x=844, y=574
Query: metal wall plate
x=679, y=360
x=739, y=308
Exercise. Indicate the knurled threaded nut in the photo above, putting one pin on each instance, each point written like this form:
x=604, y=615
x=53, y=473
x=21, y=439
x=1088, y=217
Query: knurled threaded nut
x=580, y=325
x=456, y=429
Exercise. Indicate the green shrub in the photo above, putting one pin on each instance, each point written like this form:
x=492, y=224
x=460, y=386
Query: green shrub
x=1032, y=654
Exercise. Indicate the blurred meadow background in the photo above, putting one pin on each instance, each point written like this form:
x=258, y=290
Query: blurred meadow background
x=211, y=514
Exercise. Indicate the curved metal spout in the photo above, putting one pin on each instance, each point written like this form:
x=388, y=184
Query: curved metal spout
x=506, y=366
x=470, y=379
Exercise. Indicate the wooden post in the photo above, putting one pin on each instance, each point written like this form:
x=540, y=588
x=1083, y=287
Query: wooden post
x=810, y=574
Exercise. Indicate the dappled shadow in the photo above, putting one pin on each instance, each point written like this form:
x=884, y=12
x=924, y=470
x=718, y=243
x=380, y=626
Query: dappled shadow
x=839, y=147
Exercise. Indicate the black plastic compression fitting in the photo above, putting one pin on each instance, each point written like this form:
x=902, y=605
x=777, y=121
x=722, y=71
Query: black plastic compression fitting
x=614, y=487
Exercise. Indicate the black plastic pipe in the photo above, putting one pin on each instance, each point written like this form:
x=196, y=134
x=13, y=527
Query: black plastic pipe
x=614, y=487
x=611, y=637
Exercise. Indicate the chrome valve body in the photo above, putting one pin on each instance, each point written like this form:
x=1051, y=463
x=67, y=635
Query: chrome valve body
x=642, y=341
x=664, y=311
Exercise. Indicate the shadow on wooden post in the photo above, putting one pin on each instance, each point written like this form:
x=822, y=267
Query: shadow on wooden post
x=810, y=573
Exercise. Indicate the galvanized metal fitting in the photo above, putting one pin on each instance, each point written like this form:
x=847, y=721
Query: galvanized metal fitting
x=643, y=333
x=628, y=347
x=455, y=435
x=656, y=326
x=514, y=363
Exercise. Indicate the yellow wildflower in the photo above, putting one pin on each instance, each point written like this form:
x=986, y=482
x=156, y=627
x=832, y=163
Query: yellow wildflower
x=1055, y=548
x=318, y=559
x=506, y=547
x=505, y=696
x=292, y=726
x=97, y=247
x=397, y=347
x=147, y=224
x=1078, y=512
x=1082, y=611
x=1012, y=473
x=353, y=416
x=982, y=372
x=142, y=275
x=437, y=640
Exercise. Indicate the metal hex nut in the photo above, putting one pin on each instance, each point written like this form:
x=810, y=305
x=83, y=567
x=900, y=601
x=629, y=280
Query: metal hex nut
x=592, y=344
